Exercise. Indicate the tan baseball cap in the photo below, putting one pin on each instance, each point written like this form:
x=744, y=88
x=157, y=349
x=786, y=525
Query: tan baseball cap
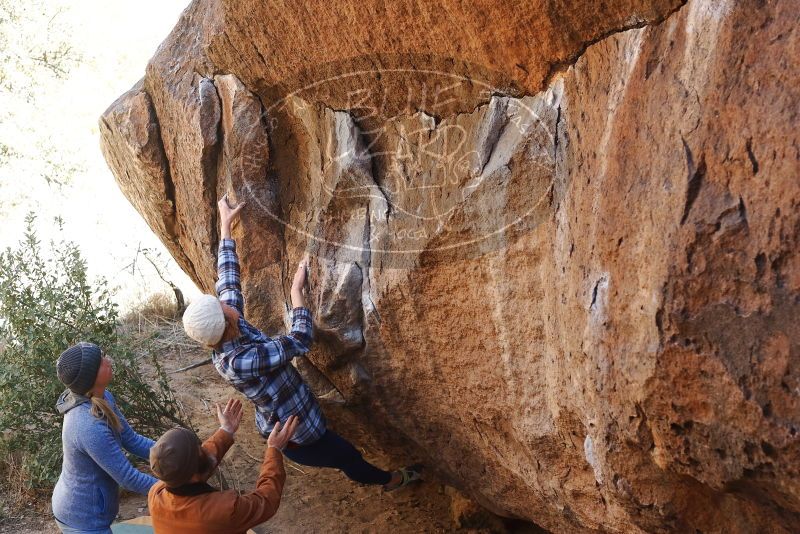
x=175, y=456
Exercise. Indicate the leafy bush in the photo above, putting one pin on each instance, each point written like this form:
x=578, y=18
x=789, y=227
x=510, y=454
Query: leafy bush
x=46, y=305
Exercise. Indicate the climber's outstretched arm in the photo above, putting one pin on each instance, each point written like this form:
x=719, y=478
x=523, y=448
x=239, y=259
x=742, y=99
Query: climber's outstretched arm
x=262, y=357
x=229, y=288
x=298, y=283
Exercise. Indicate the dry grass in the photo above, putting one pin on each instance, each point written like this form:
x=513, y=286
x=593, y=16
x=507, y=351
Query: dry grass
x=18, y=501
x=155, y=324
x=156, y=306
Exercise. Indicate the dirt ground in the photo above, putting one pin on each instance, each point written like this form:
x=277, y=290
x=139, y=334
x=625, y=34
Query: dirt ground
x=314, y=500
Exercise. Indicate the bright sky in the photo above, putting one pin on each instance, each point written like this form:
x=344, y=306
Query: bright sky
x=116, y=38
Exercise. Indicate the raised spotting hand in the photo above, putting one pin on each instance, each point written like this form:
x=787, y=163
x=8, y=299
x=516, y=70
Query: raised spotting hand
x=230, y=417
x=281, y=434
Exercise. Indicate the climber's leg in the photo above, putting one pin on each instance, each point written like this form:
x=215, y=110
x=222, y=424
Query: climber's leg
x=332, y=450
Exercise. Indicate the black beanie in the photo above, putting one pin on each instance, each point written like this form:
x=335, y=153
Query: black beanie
x=78, y=365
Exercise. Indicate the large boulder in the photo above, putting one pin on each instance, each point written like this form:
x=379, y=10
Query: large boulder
x=554, y=250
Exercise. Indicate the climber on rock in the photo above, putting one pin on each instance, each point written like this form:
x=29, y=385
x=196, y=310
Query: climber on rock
x=260, y=367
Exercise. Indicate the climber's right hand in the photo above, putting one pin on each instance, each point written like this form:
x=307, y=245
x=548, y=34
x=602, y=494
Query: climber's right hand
x=299, y=280
x=298, y=283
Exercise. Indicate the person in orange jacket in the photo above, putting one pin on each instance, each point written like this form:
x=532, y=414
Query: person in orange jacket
x=182, y=500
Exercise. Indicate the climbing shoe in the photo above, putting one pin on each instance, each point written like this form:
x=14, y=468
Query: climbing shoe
x=408, y=475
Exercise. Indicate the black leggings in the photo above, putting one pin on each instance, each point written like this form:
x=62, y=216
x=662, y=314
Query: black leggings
x=332, y=450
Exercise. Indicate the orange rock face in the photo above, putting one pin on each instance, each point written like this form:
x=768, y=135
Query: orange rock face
x=554, y=249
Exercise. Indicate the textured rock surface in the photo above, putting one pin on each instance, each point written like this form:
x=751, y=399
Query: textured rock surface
x=567, y=281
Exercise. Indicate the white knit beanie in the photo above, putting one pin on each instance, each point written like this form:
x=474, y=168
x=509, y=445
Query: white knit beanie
x=204, y=321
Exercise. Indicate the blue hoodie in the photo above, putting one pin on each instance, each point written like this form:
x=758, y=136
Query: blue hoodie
x=87, y=493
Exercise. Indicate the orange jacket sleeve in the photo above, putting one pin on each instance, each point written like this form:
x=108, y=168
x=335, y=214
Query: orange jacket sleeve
x=218, y=444
x=254, y=508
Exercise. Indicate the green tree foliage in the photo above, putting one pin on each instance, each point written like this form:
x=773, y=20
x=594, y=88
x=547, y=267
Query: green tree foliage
x=47, y=304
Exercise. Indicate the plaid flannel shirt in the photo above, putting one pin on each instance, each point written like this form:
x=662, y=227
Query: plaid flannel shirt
x=260, y=366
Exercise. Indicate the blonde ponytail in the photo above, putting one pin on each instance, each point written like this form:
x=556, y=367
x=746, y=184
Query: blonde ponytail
x=103, y=410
